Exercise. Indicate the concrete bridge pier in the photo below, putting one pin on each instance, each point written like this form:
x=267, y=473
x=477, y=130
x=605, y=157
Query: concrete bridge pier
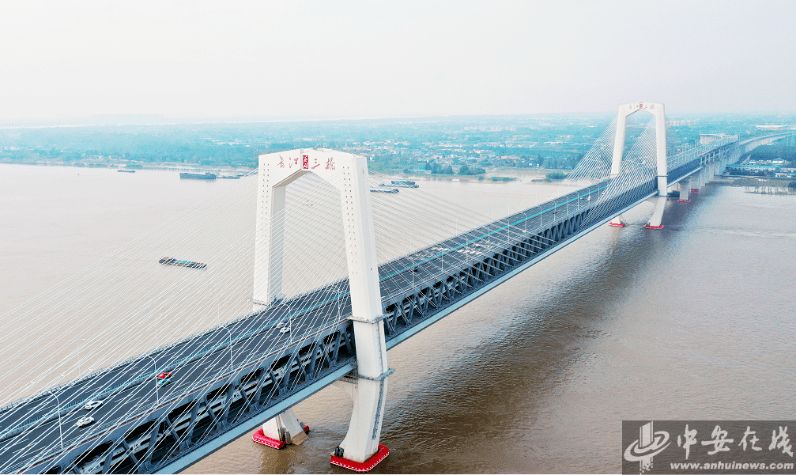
x=722, y=163
x=685, y=190
x=699, y=180
x=618, y=221
x=695, y=183
x=281, y=430
x=657, y=214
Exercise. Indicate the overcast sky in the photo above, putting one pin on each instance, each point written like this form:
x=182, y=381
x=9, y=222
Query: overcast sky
x=336, y=59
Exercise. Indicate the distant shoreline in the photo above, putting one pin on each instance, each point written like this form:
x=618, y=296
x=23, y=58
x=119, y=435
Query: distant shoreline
x=119, y=166
x=534, y=174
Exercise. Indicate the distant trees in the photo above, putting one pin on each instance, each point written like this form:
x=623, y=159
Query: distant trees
x=466, y=170
x=777, y=150
x=566, y=162
x=438, y=169
x=556, y=175
x=391, y=146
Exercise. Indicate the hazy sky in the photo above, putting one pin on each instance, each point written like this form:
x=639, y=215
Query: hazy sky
x=392, y=59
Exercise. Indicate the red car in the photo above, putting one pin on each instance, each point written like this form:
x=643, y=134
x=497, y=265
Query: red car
x=164, y=378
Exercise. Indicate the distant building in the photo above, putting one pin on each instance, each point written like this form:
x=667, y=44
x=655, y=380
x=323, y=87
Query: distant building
x=772, y=127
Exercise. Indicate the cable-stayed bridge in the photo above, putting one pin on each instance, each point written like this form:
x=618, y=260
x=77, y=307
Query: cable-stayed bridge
x=317, y=326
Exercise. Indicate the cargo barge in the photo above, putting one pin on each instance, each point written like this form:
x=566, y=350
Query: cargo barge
x=401, y=184
x=199, y=176
x=170, y=261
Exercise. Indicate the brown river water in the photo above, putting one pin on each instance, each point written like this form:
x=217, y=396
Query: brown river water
x=694, y=321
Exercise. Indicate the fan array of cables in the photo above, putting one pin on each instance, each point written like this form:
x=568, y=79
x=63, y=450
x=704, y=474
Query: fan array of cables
x=99, y=324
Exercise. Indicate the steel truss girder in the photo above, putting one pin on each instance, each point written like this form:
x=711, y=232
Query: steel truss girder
x=201, y=416
x=423, y=302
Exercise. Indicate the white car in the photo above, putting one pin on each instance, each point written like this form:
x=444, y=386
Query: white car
x=284, y=330
x=85, y=421
x=92, y=405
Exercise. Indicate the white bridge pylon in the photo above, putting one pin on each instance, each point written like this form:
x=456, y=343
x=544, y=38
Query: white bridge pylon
x=349, y=174
x=658, y=111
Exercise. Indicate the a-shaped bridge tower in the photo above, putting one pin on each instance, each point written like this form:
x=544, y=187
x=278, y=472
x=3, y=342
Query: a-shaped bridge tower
x=368, y=387
x=661, y=159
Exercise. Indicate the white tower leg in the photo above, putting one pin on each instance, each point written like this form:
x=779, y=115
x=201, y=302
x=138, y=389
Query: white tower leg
x=369, y=397
x=660, y=148
x=619, y=138
x=362, y=440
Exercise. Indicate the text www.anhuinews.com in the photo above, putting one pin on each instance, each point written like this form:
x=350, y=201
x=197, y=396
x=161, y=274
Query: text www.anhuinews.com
x=732, y=466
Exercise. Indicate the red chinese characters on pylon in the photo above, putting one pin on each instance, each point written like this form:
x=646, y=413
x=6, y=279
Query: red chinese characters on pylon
x=307, y=163
x=290, y=162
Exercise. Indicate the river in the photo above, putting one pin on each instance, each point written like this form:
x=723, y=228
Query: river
x=690, y=322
